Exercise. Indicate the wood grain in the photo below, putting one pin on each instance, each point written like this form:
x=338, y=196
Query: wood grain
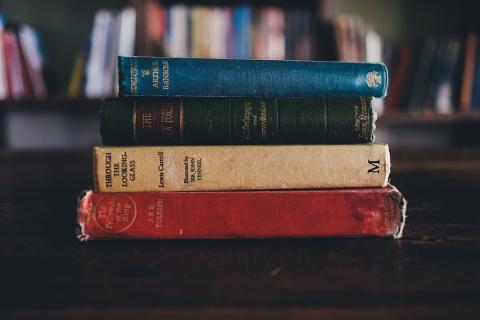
x=431, y=273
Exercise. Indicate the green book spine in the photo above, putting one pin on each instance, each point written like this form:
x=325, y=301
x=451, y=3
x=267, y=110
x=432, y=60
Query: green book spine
x=236, y=120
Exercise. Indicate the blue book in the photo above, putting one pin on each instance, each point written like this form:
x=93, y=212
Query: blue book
x=160, y=76
x=242, y=20
x=476, y=81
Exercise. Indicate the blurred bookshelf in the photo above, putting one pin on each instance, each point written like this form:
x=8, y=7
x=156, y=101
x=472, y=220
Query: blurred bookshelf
x=52, y=104
x=424, y=43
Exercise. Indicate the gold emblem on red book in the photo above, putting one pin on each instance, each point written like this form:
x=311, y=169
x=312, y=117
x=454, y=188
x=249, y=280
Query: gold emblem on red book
x=115, y=213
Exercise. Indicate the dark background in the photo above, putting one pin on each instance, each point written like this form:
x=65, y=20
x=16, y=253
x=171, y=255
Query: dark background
x=45, y=161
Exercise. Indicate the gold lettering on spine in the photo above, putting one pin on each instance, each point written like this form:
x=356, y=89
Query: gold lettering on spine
x=361, y=120
x=180, y=119
x=247, y=111
x=365, y=133
x=166, y=119
x=263, y=119
x=133, y=76
x=147, y=120
x=134, y=120
x=165, y=75
x=108, y=170
x=155, y=213
x=155, y=75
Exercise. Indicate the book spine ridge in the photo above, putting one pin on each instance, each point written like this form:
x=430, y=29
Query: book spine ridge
x=369, y=212
x=401, y=207
x=80, y=229
x=162, y=76
x=237, y=121
x=203, y=168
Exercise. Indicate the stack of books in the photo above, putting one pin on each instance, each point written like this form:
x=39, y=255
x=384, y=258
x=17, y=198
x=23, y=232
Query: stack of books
x=220, y=148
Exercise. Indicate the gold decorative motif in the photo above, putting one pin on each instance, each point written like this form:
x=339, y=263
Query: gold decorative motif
x=374, y=79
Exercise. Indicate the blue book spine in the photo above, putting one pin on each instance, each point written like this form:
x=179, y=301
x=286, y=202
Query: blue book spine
x=237, y=32
x=247, y=32
x=242, y=33
x=161, y=76
x=476, y=81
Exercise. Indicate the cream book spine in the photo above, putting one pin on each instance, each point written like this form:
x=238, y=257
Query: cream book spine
x=208, y=168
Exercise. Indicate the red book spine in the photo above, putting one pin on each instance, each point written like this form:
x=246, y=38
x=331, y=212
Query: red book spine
x=244, y=214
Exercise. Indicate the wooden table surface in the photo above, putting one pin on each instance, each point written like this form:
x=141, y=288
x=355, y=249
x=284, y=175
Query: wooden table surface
x=432, y=273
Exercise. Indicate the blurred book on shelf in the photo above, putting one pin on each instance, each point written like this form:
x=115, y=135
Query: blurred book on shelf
x=240, y=31
x=434, y=76
x=439, y=76
x=75, y=84
x=21, y=62
x=112, y=35
x=468, y=72
x=151, y=29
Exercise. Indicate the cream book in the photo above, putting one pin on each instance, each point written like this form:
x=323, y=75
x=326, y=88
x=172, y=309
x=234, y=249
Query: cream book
x=208, y=168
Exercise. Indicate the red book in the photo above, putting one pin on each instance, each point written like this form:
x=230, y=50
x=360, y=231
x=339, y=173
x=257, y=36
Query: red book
x=26, y=79
x=14, y=65
x=364, y=212
x=400, y=79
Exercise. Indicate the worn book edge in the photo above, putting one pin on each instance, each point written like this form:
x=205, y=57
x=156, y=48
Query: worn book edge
x=402, y=207
x=395, y=194
x=80, y=228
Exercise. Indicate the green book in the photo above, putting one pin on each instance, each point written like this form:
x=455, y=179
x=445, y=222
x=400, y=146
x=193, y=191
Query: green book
x=236, y=120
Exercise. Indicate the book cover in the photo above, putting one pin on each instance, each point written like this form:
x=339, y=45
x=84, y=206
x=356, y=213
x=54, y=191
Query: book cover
x=226, y=121
x=33, y=58
x=14, y=65
x=110, y=74
x=468, y=72
x=151, y=36
x=200, y=44
x=219, y=32
x=211, y=168
x=275, y=31
x=27, y=80
x=127, y=21
x=4, y=89
x=160, y=76
x=242, y=21
x=476, y=80
x=77, y=76
x=177, y=37
x=445, y=96
x=259, y=33
x=369, y=212
x=400, y=78
x=423, y=76
x=125, y=39
x=437, y=70
x=304, y=37
x=291, y=23
x=97, y=82
x=326, y=46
